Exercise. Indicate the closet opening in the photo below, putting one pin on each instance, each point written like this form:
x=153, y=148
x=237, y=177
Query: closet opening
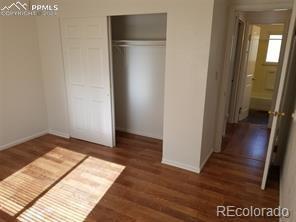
x=138, y=51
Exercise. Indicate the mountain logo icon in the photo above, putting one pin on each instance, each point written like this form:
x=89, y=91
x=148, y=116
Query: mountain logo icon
x=18, y=5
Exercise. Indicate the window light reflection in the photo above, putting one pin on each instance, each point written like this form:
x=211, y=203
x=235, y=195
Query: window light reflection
x=74, y=197
x=22, y=187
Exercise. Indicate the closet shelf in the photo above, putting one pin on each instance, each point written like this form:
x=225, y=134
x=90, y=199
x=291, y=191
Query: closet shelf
x=128, y=43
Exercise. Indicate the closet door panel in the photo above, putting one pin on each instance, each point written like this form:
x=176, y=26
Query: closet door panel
x=85, y=46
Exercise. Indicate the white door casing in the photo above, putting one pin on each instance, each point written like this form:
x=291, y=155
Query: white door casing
x=86, y=59
x=251, y=58
x=239, y=38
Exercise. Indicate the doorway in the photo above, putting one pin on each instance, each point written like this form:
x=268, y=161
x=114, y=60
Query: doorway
x=263, y=82
x=256, y=72
x=138, y=52
x=251, y=131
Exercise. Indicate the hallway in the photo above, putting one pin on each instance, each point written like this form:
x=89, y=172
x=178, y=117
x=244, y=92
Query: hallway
x=246, y=144
x=246, y=140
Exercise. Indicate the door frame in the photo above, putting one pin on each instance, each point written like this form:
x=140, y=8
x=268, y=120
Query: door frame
x=112, y=93
x=110, y=66
x=237, y=67
x=111, y=71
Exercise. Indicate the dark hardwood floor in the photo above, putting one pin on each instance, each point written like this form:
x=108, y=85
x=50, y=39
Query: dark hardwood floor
x=55, y=179
x=257, y=117
x=246, y=140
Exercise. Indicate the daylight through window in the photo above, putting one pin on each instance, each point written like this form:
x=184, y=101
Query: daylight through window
x=274, y=48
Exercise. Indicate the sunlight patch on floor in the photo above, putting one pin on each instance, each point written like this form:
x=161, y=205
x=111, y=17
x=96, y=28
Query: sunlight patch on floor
x=22, y=187
x=75, y=196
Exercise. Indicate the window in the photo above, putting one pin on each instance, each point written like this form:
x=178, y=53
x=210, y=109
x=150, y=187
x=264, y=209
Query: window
x=274, y=48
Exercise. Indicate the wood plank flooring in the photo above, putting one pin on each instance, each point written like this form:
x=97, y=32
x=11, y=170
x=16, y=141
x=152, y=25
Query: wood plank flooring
x=247, y=141
x=21, y=188
x=143, y=189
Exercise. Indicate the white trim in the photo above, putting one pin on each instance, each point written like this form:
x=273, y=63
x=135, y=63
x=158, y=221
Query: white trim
x=206, y=160
x=112, y=94
x=58, y=133
x=23, y=140
x=181, y=165
x=140, y=133
x=261, y=6
x=65, y=88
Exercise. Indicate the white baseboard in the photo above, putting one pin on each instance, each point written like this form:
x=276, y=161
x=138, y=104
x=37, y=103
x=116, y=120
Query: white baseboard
x=181, y=165
x=260, y=103
x=140, y=133
x=205, y=160
x=23, y=140
x=60, y=134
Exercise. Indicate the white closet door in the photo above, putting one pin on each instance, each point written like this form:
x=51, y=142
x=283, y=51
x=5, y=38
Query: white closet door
x=85, y=47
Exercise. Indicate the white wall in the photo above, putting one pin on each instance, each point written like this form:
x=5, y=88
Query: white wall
x=216, y=64
x=53, y=75
x=139, y=89
x=139, y=27
x=23, y=107
x=187, y=58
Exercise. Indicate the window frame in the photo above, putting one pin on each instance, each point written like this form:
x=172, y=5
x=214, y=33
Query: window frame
x=268, y=41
